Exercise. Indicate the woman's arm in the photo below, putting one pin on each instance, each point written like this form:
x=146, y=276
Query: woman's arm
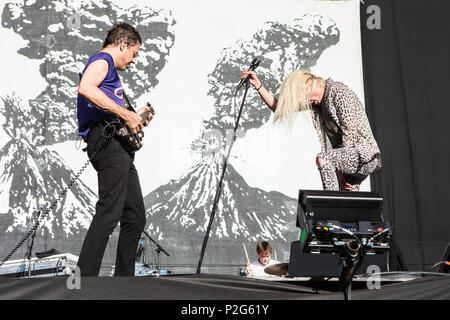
x=267, y=97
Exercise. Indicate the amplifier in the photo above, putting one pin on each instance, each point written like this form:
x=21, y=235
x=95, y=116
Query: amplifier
x=51, y=266
x=330, y=217
x=329, y=221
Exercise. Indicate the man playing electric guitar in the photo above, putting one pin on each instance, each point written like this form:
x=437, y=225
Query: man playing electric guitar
x=100, y=100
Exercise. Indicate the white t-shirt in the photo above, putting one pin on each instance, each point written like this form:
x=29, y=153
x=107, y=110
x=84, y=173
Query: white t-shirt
x=258, y=268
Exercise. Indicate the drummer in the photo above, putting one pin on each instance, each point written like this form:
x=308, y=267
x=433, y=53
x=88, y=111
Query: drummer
x=256, y=268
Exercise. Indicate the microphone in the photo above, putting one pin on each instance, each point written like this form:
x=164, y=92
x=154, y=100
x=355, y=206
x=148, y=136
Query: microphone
x=255, y=63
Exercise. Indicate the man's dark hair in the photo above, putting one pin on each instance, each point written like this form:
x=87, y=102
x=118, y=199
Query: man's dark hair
x=122, y=32
x=263, y=246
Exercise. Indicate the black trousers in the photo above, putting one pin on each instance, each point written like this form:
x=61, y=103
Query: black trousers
x=120, y=200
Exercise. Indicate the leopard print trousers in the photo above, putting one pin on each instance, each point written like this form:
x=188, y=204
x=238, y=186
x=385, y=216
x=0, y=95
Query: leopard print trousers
x=345, y=161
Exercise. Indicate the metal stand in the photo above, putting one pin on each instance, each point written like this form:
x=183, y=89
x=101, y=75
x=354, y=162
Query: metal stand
x=159, y=249
x=350, y=259
x=219, y=187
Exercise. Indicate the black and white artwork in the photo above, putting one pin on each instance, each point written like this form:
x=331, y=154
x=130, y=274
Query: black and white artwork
x=189, y=70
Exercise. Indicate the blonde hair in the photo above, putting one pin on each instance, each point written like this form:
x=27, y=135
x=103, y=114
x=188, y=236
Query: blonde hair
x=294, y=94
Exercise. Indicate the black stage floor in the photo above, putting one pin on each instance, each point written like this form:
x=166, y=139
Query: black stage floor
x=414, y=286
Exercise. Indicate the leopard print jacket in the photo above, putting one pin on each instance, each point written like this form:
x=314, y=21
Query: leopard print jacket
x=347, y=112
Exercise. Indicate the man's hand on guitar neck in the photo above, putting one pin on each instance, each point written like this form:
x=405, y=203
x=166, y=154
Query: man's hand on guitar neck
x=149, y=115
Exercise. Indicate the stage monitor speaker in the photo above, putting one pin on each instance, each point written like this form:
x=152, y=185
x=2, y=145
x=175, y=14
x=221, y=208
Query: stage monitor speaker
x=56, y=265
x=338, y=205
x=331, y=219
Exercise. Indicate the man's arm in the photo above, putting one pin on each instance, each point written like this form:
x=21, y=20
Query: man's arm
x=89, y=88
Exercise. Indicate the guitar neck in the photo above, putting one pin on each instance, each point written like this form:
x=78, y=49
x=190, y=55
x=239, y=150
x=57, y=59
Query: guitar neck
x=144, y=115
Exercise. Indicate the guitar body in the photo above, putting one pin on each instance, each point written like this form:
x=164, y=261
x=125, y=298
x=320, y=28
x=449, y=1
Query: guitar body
x=129, y=140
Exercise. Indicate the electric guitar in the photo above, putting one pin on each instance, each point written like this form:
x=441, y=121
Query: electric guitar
x=131, y=141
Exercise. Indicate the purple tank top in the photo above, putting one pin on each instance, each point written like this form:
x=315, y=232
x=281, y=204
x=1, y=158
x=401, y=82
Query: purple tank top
x=87, y=113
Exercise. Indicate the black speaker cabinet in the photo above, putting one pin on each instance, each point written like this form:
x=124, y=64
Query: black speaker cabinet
x=305, y=264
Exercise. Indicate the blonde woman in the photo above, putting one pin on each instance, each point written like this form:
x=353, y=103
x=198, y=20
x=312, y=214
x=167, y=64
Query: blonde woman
x=349, y=152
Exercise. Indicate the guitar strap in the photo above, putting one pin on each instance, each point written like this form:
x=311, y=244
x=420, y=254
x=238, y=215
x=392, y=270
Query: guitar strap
x=130, y=107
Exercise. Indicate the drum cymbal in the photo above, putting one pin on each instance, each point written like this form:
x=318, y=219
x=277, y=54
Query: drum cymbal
x=280, y=269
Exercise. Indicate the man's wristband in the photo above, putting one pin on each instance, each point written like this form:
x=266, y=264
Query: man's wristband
x=259, y=87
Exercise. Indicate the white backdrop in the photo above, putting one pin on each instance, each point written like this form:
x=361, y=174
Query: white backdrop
x=202, y=30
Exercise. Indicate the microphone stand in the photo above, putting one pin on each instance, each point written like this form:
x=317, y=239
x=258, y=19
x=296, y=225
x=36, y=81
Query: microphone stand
x=219, y=187
x=158, y=251
x=350, y=259
x=141, y=251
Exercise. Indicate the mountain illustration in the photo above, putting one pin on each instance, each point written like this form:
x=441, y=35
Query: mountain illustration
x=178, y=211
x=182, y=207
x=243, y=211
x=62, y=38
x=33, y=176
